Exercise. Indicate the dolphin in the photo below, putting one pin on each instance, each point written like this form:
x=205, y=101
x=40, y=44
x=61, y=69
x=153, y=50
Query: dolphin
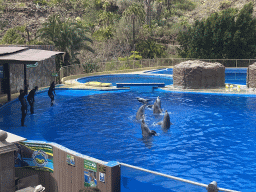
x=158, y=101
x=145, y=130
x=166, y=123
x=142, y=100
x=140, y=112
x=157, y=106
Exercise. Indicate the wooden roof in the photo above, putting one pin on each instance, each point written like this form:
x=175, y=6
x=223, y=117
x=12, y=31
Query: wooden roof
x=8, y=50
x=23, y=55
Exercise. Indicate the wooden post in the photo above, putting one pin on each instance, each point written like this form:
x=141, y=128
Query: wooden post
x=25, y=78
x=6, y=82
x=212, y=187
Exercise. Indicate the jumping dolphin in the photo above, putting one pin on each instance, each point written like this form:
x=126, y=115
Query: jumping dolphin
x=157, y=106
x=140, y=112
x=145, y=130
x=166, y=123
x=142, y=100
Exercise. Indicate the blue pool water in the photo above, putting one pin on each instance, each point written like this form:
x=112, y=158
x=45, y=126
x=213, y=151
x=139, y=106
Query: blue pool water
x=128, y=78
x=232, y=75
x=213, y=136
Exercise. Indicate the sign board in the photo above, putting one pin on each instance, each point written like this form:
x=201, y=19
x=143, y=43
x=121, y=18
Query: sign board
x=37, y=156
x=32, y=65
x=102, y=173
x=70, y=160
x=55, y=74
x=90, y=169
x=1, y=71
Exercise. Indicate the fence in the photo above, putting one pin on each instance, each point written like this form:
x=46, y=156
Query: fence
x=144, y=63
x=138, y=179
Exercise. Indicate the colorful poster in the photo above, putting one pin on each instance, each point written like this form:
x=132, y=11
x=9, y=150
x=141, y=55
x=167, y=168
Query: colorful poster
x=102, y=173
x=90, y=165
x=71, y=160
x=90, y=169
x=102, y=177
x=34, y=155
x=32, y=65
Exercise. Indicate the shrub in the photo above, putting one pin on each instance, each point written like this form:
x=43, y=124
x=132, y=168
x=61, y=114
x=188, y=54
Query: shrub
x=150, y=49
x=14, y=36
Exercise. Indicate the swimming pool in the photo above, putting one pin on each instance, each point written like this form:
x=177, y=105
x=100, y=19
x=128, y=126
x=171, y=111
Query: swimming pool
x=129, y=78
x=213, y=136
x=232, y=75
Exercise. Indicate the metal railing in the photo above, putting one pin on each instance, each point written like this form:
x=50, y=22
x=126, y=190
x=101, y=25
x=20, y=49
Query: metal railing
x=174, y=178
x=143, y=63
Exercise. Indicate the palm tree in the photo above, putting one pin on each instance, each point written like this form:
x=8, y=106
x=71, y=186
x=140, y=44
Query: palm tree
x=67, y=36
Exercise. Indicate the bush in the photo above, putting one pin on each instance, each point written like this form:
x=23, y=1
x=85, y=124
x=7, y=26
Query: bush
x=90, y=67
x=149, y=49
x=14, y=36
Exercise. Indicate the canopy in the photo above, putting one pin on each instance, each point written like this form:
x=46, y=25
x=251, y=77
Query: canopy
x=22, y=55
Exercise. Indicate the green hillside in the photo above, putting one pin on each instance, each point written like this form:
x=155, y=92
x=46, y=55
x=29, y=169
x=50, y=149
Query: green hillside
x=104, y=30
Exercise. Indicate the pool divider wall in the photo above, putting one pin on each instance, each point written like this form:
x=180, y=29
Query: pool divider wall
x=71, y=171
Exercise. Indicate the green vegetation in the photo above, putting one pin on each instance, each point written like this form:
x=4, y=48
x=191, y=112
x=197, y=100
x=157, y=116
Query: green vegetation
x=99, y=21
x=150, y=49
x=67, y=36
x=228, y=34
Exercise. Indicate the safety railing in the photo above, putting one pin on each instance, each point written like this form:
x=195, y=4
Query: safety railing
x=143, y=63
x=174, y=183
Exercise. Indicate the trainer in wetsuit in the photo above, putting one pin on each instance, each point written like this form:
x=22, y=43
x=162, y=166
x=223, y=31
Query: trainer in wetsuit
x=31, y=99
x=51, y=91
x=23, y=106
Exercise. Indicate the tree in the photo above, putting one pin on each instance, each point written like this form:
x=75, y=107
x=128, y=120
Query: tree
x=67, y=36
x=149, y=49
x=227, y=35
x=14, y=36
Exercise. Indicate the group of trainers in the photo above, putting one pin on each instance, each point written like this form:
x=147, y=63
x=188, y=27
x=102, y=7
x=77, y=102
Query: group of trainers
x=31, y=100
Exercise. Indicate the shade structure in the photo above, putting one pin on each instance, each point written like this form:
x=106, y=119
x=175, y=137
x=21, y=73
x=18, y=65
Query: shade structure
x=8, y=50
x=22, y=55
x=26, y=56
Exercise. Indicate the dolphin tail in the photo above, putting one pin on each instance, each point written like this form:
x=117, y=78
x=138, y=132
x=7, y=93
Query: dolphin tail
x=153, y=133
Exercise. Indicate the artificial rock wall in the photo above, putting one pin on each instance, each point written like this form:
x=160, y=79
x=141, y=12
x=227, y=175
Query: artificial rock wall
x=198, y=75
x=251, y=76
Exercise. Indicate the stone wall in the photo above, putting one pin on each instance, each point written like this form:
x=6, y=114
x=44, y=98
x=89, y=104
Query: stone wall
x=40, y=76
x=198, y=75
x=251, y=76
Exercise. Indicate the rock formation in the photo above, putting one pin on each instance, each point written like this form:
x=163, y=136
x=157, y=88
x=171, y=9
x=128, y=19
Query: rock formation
x=198, y=75
x=251, y=76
